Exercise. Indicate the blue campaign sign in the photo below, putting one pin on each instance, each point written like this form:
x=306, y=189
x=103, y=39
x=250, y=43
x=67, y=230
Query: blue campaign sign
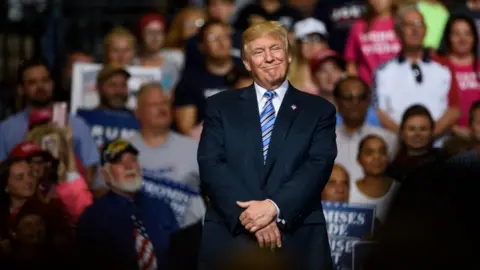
x=108, y=125
x=361, y=250
x=158, y=184
x=346, y=225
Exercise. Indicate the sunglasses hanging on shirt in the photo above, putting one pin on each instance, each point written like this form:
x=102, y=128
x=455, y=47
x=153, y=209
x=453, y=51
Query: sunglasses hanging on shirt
x=417, y=73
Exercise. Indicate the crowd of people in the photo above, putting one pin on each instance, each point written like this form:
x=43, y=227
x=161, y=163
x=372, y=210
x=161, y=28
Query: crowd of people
x=403, y=76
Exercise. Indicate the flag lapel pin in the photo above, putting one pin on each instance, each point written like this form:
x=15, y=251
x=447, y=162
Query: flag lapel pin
x=294, y=107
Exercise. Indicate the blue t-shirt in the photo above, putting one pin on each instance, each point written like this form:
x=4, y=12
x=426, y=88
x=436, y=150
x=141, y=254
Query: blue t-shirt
x=371, y=119
x=108, y=125
x=14, y=129
x=196, y=86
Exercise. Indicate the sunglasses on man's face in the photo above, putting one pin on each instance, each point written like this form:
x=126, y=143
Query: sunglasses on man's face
x=350, y=97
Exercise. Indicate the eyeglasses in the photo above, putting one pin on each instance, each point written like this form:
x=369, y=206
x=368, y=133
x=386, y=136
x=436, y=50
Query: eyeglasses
x=315, y=38
x=212, y=37
x=417, y=73
x=350, y=97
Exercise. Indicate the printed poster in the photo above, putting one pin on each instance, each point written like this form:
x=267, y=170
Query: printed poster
x=84, y=90
x=108, y=125
x=346, y=225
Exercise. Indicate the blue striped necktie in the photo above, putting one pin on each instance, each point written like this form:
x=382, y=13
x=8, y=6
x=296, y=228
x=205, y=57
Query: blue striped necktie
x=267, y=119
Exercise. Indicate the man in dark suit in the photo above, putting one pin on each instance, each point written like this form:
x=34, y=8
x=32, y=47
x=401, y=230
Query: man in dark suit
x=264, y=171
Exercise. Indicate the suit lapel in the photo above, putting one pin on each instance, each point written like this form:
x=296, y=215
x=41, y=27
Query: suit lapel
x=253, y=131
x=286, y=115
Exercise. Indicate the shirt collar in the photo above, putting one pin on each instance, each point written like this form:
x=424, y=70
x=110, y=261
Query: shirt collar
x=362, y=130
x=426, y=57
x=280, y=91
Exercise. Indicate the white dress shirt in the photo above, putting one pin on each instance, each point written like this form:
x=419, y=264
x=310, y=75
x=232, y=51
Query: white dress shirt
x=276, y=102
x=277, y=99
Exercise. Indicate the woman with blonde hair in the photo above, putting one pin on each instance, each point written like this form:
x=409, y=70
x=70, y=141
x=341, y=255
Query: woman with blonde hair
x=119, y=47
x=310, y=40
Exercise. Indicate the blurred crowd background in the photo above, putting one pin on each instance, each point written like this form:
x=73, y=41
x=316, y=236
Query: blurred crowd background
x=403, y=75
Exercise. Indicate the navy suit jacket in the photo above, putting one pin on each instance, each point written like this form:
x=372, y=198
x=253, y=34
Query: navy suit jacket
x=105, y=230
x=301, y=155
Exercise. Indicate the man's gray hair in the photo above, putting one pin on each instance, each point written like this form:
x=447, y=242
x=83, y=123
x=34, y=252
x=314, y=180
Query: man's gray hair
x=147, y=86
x=402, y=11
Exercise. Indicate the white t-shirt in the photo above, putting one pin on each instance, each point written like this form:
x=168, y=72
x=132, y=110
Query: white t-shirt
x=381, y=204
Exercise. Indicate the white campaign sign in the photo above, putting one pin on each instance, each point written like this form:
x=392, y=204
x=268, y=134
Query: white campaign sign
x=84, y=90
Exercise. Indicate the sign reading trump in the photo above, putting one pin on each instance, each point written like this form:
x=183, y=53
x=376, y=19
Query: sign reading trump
x=346, y=225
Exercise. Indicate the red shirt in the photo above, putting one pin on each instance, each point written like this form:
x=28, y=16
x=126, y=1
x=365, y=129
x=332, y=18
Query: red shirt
x=468, y=87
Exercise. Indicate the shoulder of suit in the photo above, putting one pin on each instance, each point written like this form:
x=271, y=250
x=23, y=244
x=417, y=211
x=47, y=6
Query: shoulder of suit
x=314, y=101
x=226, y=95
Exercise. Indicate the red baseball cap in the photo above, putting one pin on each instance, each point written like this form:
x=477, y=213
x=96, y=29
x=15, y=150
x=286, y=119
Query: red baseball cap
x=149, y=18
x=27, y=149
x=324, y=56
x=40, y=116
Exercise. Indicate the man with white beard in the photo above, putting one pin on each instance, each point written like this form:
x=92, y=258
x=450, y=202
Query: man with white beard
x=125, y=229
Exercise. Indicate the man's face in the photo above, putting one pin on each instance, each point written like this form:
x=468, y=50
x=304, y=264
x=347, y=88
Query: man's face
x=220, y=10
x=125, y=174
x=413, y=30
x=217, y=42
x=121, y=51
x=337, y=188
x=114, y=91
x=154, y=36
x=353, y=101
x=267, y=59
x=154, y=109
x=37, y=86
x=476, y=125
x=327, y=75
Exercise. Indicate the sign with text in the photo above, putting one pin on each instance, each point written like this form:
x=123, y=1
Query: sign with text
x=109, y=125
x=84, y=88
x=361, y=250
x=346, y=225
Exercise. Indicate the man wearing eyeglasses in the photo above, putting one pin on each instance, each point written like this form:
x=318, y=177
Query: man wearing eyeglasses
x=353, y=96
x=414, y=77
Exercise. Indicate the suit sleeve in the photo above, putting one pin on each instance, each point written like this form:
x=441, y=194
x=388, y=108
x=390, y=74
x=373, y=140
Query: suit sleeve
x=221, y=185
x=306, y=184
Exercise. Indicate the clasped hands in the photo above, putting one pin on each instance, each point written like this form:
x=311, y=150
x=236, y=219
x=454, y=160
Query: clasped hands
x=259, y=217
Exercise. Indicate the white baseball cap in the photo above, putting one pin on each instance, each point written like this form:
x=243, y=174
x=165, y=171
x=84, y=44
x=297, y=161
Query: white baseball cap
x=309, y=26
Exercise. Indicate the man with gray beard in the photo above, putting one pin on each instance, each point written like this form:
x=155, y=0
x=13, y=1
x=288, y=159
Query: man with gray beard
x=126, y=228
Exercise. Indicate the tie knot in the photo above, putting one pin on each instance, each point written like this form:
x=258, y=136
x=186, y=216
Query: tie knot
x=269, y=94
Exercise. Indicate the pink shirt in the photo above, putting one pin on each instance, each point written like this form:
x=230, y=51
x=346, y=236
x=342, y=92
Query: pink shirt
x=75, y=195
x=371, y=49
x=469, y=86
